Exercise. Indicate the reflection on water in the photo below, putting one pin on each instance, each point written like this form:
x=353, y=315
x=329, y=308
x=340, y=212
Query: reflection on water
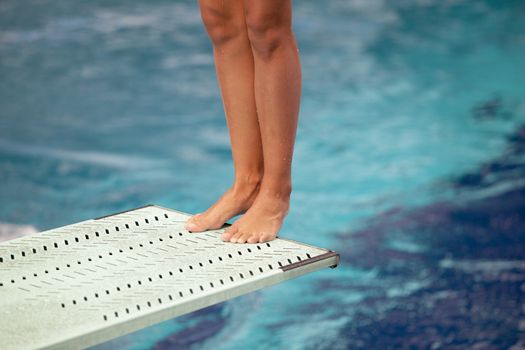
x=409, y=159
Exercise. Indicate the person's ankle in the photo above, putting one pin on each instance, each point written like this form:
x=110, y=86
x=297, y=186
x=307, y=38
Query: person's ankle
x=247, y=182
x=280, y=190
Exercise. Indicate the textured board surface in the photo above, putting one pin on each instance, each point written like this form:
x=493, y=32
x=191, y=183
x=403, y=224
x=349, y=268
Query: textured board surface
x=88, y=282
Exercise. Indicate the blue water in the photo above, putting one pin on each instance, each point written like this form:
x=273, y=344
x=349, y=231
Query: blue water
x=410, y=128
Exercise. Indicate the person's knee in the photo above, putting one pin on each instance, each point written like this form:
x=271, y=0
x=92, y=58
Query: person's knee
x=267, y=32
x=221, y=27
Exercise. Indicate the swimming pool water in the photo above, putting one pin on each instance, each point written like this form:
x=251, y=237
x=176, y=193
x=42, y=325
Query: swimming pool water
x=410, y=129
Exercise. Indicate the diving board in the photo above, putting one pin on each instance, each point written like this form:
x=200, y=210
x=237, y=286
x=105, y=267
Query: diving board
x=85, y=283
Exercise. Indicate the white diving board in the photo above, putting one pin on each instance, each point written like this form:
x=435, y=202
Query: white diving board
x=85, y=283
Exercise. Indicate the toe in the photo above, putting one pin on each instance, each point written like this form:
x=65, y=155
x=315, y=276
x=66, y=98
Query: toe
x=191, y=220
x=229, y=232
x=193, y=224
x=243, y=238
x=266, y=237
x=253, y=239
x=235, y=237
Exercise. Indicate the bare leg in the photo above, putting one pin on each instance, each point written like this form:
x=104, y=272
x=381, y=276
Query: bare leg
x=225, y=24
x=277, y=94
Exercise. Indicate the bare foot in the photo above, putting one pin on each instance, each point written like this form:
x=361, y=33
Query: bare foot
x=262, y=221
x=236, y=200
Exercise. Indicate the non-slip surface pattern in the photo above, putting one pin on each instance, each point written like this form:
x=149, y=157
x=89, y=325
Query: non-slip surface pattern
x=118, y=273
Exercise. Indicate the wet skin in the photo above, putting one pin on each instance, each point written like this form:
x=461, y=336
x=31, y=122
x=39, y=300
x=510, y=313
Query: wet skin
x=259, y=74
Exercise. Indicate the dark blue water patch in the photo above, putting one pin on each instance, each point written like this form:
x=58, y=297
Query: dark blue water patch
x=204, y=324
x=508, y=167
x=492, y=108
x=492, y=228
x=474, y=275
x=473, y=315
x=465, y=268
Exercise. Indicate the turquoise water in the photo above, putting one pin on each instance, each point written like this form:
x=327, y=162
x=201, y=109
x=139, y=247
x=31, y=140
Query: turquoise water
x=107, y=106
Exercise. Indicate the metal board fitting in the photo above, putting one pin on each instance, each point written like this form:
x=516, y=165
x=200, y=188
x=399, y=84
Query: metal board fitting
x=85, y=283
